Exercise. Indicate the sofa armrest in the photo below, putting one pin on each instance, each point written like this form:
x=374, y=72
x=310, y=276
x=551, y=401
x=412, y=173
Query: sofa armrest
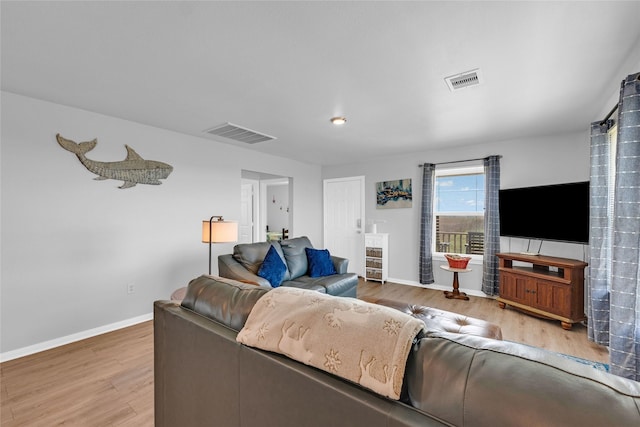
x=341, y=264
x=230, y=268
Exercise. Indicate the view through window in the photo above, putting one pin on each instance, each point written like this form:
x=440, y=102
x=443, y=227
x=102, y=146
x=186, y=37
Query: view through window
x=459, y=211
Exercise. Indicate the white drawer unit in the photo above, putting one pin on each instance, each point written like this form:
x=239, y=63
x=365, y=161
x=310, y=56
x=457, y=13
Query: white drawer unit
x=376, y=249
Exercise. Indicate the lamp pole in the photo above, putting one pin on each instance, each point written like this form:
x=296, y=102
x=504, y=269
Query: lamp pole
x=217, y=218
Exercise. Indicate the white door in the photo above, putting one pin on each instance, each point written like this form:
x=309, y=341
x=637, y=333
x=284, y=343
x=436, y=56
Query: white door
x=344, y=220
x=247, y=202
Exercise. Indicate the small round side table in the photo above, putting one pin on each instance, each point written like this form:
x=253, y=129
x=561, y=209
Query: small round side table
x=455, y=294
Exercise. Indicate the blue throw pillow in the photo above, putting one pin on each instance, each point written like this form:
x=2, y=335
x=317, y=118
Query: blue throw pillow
x=320, y=263
x=273, y=268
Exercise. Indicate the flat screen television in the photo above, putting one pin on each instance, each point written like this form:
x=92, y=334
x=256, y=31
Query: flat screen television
x=549, y=212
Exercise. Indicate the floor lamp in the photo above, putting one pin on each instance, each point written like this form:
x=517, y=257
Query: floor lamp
x=217, y=230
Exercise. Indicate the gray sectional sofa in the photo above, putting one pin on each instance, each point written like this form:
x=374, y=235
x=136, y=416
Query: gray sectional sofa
x=245, y=262
x=204, y=377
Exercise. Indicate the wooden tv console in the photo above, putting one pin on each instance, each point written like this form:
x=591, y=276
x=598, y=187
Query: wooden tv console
x=547, y=287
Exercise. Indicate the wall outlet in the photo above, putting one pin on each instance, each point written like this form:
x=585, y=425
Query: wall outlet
x=553, y=269
x=131, y=288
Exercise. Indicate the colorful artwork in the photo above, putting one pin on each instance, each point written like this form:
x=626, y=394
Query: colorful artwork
x=394, y=194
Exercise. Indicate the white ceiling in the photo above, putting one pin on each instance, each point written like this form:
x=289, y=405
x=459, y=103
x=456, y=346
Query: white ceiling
x=285, y=68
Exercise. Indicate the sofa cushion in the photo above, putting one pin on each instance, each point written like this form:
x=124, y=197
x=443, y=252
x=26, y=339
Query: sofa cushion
x=320, y=263
x=226, y=301
x=251, y=255
x=337, y=284
x=273, y=268
x=445, y=321
x=295, y=255
x=501, y=381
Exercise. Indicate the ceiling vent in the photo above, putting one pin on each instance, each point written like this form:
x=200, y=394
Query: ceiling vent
x=464, y=80
x=238, y=133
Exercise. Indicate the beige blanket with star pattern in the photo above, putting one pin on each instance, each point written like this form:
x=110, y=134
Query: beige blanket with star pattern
x=359, y=341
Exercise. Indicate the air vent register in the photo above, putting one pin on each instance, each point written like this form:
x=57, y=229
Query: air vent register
x=464, y=80
x=238, y=133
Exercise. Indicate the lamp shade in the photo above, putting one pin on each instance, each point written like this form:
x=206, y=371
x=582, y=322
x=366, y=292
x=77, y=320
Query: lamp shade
x=221, y=231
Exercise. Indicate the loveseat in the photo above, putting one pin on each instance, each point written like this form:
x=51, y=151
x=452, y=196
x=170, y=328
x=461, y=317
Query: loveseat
x=247, y=259
x=203, y=376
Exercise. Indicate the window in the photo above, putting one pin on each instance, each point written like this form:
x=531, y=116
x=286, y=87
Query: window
x=458, y=211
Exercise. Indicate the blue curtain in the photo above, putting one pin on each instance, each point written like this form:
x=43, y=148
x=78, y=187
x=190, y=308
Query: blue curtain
x=624, y=329
x=601, y=230
x=426, y=224
x=490, y=279
x=619, y=242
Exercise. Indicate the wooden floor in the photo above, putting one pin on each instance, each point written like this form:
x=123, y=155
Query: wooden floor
x=108, y=379
x=515, y=325
x=104, y=380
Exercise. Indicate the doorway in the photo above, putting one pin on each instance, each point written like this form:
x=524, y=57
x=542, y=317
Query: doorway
x=266, y=205
x=275, y=208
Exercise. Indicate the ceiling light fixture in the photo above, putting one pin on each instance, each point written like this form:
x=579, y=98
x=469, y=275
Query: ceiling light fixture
x=338, y=120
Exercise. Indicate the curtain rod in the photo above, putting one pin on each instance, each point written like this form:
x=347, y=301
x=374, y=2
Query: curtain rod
x=463, y=161
x=613, y=110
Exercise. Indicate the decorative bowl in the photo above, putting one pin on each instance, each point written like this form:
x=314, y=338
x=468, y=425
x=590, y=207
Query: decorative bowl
x=457, y=261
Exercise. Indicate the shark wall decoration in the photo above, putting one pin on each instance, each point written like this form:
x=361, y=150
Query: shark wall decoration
x=132, y=170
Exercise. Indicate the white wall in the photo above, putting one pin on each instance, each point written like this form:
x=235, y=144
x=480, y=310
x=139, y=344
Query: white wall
x=71, y=245
x=526, y=162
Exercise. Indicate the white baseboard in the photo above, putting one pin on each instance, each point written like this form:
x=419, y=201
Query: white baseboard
x=46, y=345
x=472, y=292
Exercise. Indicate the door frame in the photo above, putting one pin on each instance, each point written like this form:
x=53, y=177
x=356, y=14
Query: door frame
x=255, y=185
x=361, y=180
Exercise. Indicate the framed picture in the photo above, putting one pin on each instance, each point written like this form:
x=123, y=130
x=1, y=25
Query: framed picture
x=394, y=194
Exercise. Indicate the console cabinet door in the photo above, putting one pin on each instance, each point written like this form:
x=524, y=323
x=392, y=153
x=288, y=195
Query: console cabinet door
x=552, y=297
x=514, y=287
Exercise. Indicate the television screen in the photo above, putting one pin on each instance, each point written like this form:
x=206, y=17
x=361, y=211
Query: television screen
x=550, y=212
